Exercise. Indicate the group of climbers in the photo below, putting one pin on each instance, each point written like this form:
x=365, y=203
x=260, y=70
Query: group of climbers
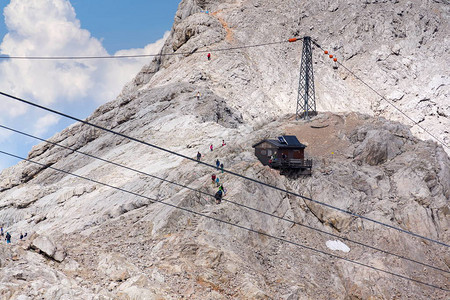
x=219, y=165
x=211, y=148
x=214, y=178
x=221, y=192
x=8, y=235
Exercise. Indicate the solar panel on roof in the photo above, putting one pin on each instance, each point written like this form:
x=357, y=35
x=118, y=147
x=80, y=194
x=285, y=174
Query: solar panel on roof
x=282, y=140
x=291, y=140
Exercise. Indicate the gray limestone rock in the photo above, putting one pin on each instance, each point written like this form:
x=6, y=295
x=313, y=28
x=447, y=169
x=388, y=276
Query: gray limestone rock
x=43, y=243
x=126, y=242
x=115, y=267
x=47, y=246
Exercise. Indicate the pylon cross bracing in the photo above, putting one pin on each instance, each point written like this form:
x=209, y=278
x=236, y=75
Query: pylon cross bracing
x=306, y=102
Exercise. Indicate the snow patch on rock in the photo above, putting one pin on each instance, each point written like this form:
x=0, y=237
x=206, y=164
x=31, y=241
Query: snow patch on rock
x=337, y=245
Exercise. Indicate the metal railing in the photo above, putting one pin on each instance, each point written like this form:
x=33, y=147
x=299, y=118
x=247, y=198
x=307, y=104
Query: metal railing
x=291, y=163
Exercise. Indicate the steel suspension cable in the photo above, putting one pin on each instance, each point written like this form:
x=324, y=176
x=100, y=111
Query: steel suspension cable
x=225, y=200
x=140, y=55
x=389, y=102
x=232, y=224
x=227, y=171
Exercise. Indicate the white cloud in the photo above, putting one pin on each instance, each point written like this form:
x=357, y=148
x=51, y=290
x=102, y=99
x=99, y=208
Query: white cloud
x=42, y=125
x=50, y=28
x=118, y=72
x=149, y=49
x=47, y=28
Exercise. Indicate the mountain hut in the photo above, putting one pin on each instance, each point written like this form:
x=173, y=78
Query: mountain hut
x=285, y=153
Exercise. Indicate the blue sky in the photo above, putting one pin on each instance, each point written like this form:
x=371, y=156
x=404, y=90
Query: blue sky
x=71, y=27
x=126, y=24
x=118, y=24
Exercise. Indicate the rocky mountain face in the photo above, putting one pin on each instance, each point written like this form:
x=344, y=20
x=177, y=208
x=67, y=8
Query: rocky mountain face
x=400, y=48
x=118, y=234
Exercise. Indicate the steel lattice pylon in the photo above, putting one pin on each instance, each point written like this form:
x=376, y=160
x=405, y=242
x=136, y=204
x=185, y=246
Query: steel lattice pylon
x=306, y=102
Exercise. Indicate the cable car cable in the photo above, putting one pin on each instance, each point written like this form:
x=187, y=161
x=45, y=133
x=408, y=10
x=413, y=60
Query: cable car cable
x=232, y=224
x=141, y=55
x=215, y=50
x=227, y=171
x=384, y=98
x=225, y=200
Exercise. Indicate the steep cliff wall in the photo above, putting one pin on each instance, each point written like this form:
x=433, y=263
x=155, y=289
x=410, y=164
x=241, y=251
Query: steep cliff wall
x=87, y=240
x=400, y=48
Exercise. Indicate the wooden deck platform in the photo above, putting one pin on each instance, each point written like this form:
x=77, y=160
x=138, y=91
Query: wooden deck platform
x=303, y=166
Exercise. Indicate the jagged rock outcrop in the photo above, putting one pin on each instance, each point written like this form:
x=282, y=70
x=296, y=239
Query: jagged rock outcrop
x=46, y=246
x=121, y=241
x=394, y=46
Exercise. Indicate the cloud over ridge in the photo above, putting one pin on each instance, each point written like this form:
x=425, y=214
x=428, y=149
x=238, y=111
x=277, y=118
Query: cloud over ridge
x=51, y=28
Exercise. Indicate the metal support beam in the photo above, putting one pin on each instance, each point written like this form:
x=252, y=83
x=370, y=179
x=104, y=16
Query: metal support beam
x=306, y=102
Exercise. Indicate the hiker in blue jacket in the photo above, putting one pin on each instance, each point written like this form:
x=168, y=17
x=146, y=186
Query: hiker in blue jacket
x=217, y=164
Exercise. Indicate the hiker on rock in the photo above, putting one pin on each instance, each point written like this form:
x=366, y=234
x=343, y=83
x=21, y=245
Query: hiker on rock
x=218, y=196
x=198, y=96
x=8, y=238
x=221, y=167
x=21, y=235
x=211, y=147
x=1, y=229
x=217, y=181
x=217, y=164
x=199, y=155
x=223, y=143
x=209, y=56
x=213, y=178
x=221, y=188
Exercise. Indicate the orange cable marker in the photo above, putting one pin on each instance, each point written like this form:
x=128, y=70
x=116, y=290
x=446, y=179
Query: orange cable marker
x=292, y=40
x=335, y=59
x=331, y=56
x=326, y=52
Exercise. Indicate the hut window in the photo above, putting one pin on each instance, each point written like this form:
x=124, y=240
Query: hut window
x=269, y=152
x=263, y=152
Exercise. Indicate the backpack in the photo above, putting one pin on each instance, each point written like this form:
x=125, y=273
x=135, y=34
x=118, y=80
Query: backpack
x=218, y=195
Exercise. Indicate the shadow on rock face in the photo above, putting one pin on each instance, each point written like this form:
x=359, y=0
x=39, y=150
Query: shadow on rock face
x=377, y=145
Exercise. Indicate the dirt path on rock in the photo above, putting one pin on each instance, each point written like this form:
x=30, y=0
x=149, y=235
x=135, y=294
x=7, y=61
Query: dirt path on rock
x=230, y=36
x=325, y=135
